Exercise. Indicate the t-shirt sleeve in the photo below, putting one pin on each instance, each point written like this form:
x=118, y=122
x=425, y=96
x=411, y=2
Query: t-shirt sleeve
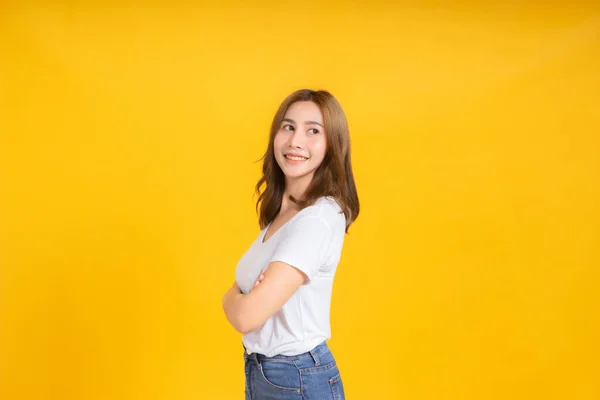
x=304, y=245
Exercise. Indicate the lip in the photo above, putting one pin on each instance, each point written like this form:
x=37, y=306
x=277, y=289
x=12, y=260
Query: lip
x=291, y=154
x=293, y=162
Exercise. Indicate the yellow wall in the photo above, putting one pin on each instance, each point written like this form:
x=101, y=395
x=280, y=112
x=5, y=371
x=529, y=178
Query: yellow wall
x=128, y=136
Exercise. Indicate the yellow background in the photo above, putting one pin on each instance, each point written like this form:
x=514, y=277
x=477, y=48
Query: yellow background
x=128, y=139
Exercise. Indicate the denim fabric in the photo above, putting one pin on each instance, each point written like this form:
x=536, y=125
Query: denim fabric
x=313, y=375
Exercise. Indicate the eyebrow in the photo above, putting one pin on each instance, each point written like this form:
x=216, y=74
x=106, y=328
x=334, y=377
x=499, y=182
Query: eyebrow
x=306, y=122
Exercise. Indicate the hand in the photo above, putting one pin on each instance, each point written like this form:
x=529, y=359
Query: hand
x=259, y=279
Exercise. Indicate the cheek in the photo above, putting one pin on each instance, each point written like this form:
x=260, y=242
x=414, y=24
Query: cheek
x=278, y=143
x=319, y=149
x=279, y=139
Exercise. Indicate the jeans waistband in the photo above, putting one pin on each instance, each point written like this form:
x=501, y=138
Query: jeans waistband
x=319, y=349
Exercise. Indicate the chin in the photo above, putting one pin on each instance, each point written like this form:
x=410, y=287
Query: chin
x=297, y=175
x=293, y=176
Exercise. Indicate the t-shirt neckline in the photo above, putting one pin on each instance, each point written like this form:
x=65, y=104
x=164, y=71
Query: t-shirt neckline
x=262, y=237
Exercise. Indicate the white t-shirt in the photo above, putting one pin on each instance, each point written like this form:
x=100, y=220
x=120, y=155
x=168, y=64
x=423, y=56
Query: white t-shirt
x=310, y=241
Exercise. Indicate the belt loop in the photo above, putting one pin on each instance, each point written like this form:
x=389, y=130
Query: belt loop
x=315, y=357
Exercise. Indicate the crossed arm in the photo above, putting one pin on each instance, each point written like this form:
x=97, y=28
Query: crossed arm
x=247, y=312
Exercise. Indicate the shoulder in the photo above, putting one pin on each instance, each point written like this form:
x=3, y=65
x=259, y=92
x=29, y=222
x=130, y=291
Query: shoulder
x=326, y=210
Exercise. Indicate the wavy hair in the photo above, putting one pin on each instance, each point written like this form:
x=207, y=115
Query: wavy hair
x=332, y=178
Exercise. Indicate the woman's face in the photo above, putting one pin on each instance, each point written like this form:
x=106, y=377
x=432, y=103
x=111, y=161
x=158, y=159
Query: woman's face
x=300, y=143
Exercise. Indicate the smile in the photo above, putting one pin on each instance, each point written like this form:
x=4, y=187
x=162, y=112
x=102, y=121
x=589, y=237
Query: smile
x=295, y=158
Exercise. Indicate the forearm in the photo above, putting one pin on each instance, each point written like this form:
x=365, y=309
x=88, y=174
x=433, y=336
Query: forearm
x=247, y=312
x=233, y=303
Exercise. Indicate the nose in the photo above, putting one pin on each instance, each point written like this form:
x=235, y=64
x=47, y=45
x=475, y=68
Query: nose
x=295, y=139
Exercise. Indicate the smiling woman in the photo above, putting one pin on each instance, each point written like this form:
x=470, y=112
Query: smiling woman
x=295, y=134
x=281, y=298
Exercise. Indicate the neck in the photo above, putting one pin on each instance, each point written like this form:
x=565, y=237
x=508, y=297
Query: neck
x=296, y=188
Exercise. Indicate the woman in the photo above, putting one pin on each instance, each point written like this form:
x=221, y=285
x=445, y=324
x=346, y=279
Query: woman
x=281, y=299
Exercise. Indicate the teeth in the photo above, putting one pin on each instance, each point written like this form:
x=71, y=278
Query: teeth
x=296, y=158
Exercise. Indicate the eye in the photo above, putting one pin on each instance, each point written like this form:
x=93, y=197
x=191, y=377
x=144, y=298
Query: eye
x=314, y=131
x=288, y=127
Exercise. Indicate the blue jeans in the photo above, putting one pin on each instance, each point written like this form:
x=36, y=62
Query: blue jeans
x=313, y=375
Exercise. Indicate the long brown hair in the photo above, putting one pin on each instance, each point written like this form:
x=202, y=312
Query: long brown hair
x=332, y=178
